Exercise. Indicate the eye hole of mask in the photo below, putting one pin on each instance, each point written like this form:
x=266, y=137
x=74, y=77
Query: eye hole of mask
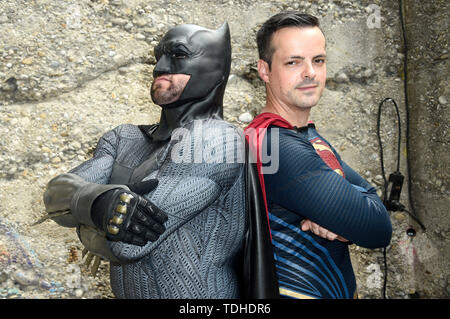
x=179, y=51
x=175, y=51
x=179, y=55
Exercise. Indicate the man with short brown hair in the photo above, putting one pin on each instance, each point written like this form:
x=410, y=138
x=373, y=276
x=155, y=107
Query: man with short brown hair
x=312, y=188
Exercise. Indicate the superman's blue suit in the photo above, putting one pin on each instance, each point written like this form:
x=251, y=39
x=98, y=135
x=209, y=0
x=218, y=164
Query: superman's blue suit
x=312, y=182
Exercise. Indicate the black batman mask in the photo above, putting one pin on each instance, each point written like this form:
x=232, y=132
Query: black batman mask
x=203, y=54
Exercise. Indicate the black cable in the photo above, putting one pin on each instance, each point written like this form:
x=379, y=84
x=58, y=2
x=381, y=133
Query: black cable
x=397, y=206
x=381, y=144
x=385, y=185
x=413, y=217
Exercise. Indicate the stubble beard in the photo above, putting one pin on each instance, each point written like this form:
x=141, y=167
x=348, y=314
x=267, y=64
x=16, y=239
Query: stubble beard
x=306, y=100
x=161, y=96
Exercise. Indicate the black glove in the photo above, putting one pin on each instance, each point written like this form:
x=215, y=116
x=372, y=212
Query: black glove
x=128, y=217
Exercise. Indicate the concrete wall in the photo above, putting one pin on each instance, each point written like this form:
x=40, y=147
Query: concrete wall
x=428, y=91
x=70, y=71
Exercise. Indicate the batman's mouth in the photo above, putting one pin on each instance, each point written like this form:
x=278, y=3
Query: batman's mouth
x=162, y=78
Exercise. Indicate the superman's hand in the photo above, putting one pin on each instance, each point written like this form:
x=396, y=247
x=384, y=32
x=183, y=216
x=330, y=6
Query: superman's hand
x=306, y=225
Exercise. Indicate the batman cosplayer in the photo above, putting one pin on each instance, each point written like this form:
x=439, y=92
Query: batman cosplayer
x=175, y=207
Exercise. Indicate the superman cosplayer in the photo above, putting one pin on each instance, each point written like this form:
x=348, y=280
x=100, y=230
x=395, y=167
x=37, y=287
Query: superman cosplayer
x=313, y=182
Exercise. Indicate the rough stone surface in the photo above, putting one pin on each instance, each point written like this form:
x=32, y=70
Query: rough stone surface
x=70, y=71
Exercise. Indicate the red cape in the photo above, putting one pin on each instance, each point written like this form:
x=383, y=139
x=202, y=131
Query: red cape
x=254, y=133
x=259, y=271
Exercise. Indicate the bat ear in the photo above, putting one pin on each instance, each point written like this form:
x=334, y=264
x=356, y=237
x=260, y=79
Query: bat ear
x=224, y=35
x=225, y=31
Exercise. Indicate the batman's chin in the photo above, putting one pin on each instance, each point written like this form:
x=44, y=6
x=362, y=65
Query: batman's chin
x=166, y=92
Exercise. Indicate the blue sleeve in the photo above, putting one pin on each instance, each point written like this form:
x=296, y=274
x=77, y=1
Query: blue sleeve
x=356, y=180
x=304, y=184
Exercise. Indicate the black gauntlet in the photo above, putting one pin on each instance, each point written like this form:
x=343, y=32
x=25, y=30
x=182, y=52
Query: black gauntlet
x=128, y=217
